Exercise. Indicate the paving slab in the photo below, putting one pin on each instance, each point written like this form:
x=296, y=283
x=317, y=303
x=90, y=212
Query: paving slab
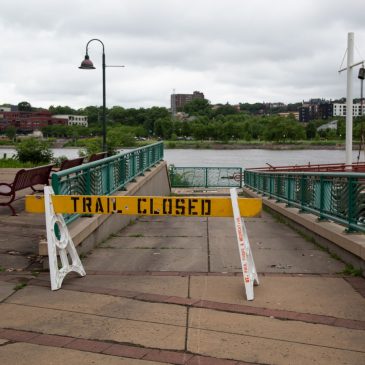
x=315, y=295
x=21, y=353
x=276, y=248
x=148, y=260
x=6, y=289
x=96, y=327
x=174, y=226
x=164, y=285
x=13, y=262
x=268, y=351
x=274, y=329
x=101, y=305
x=162, y=243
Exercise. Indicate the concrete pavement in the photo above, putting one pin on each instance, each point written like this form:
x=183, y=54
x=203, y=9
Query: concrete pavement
x=169, y=290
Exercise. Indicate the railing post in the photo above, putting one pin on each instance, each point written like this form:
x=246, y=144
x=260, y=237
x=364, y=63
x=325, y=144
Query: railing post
x=351, y=203
x=88, y=182
x=321, y=198
x=55, y=184
x=302, y=193
x=206, y=177
x=289, y=190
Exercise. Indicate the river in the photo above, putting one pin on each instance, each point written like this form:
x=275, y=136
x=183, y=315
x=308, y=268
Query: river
x=225, y=158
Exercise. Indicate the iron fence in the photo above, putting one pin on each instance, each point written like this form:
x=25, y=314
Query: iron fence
x=339, y=197
x=104, y=177
x=205, y=177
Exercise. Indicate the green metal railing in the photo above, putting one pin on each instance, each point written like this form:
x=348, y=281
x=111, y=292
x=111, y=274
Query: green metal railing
x=339, y=197
x=205, y=177
x=104, y=177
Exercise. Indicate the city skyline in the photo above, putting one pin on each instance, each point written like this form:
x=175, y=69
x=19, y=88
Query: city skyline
x=232, y=51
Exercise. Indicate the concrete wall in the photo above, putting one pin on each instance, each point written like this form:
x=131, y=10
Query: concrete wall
x=87, y=232
x=350, y=247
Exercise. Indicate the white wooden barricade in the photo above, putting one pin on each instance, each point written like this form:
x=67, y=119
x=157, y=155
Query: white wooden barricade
x=250, y=277
x=59, y=242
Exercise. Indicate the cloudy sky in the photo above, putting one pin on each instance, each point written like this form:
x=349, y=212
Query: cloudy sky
x=232, y=50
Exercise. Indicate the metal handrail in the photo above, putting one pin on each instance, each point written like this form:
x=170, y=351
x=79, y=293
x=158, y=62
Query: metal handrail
x=205, y=177
x=105, y=176
x=335, y=196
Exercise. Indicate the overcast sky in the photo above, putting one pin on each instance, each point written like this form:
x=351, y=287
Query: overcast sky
x=231, y=50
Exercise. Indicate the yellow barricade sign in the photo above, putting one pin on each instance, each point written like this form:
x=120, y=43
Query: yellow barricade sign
x=145, y=205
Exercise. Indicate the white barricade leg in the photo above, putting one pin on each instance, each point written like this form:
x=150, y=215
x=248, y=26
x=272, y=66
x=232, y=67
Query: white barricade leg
x=250, y=277
x=59, y=242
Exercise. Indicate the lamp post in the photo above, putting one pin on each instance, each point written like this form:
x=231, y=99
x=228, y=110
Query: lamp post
x=349, y=101
x=87, y=64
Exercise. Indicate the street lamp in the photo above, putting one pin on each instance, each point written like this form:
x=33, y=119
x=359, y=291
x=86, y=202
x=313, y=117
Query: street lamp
x=87, y=64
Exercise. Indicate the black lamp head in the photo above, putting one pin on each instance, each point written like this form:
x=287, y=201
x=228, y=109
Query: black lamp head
x=86, y=64
x=361, y=73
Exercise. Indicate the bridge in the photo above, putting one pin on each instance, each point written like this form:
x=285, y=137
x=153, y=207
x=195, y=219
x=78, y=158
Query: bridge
x=168, y=290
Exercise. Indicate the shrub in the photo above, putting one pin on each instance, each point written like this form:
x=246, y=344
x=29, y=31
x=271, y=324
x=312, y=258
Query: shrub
x=34, y=150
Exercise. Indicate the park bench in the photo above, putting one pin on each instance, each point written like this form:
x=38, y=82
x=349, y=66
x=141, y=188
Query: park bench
x=97, y=156
x=67, y=164
x=22, y=180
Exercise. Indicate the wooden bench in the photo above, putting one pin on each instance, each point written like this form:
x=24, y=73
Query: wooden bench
x=22, y=180
x=67, y=164
x=97, y=156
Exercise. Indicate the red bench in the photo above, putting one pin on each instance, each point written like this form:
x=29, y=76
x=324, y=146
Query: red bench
x=97, y=156
x=68, y=164
x=22, y=180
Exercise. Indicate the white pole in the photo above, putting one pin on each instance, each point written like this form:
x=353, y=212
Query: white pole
x=350, y=60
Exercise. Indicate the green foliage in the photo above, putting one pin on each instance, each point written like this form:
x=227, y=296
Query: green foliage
x=352, y=271
x=58, y=160
x=61, y=110
x=90, y=146
x=198, y=107
x=13, y=163
x=65, y=131
x=33, y=150
x=311, y=130
x=10, y=132
x=24, y=106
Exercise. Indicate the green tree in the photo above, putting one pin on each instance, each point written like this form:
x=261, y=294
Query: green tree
x=198, y=107
x=65, y=110
x=24, y=106
x=311, y=130
x=226, y=109
x=10, y=132
x=34, y=150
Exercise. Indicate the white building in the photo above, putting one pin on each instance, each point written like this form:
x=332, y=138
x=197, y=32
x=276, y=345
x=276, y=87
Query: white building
x=80, y=120
x=339, y=110
x=328, y=126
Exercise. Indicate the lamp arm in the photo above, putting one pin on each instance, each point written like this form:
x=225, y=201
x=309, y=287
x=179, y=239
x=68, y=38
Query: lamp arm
x=94, y=39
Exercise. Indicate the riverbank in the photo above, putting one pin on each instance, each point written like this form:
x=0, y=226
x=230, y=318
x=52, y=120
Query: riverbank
x=260, y=145
x=216, y=145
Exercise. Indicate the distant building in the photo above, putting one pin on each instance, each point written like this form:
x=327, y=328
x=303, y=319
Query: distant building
x=29, y=121
x=26, y=121
x=288, y=114
x=315, y=109
x=339, y=110
x=80, y=120
x=178, y=101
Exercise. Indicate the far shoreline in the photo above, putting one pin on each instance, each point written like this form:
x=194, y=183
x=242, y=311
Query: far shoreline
x=206, y=145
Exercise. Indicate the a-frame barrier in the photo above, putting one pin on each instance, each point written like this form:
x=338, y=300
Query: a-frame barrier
x=60, y=242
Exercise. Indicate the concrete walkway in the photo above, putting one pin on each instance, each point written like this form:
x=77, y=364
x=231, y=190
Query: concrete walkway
x=169, y=290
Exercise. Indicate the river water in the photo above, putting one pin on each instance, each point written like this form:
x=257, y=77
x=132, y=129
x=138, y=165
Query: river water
x=225, y=158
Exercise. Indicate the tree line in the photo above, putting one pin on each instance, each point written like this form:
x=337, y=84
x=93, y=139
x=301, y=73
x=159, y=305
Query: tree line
x=200, y=121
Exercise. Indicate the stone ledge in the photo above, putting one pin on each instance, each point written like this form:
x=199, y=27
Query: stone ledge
x=352, y=243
